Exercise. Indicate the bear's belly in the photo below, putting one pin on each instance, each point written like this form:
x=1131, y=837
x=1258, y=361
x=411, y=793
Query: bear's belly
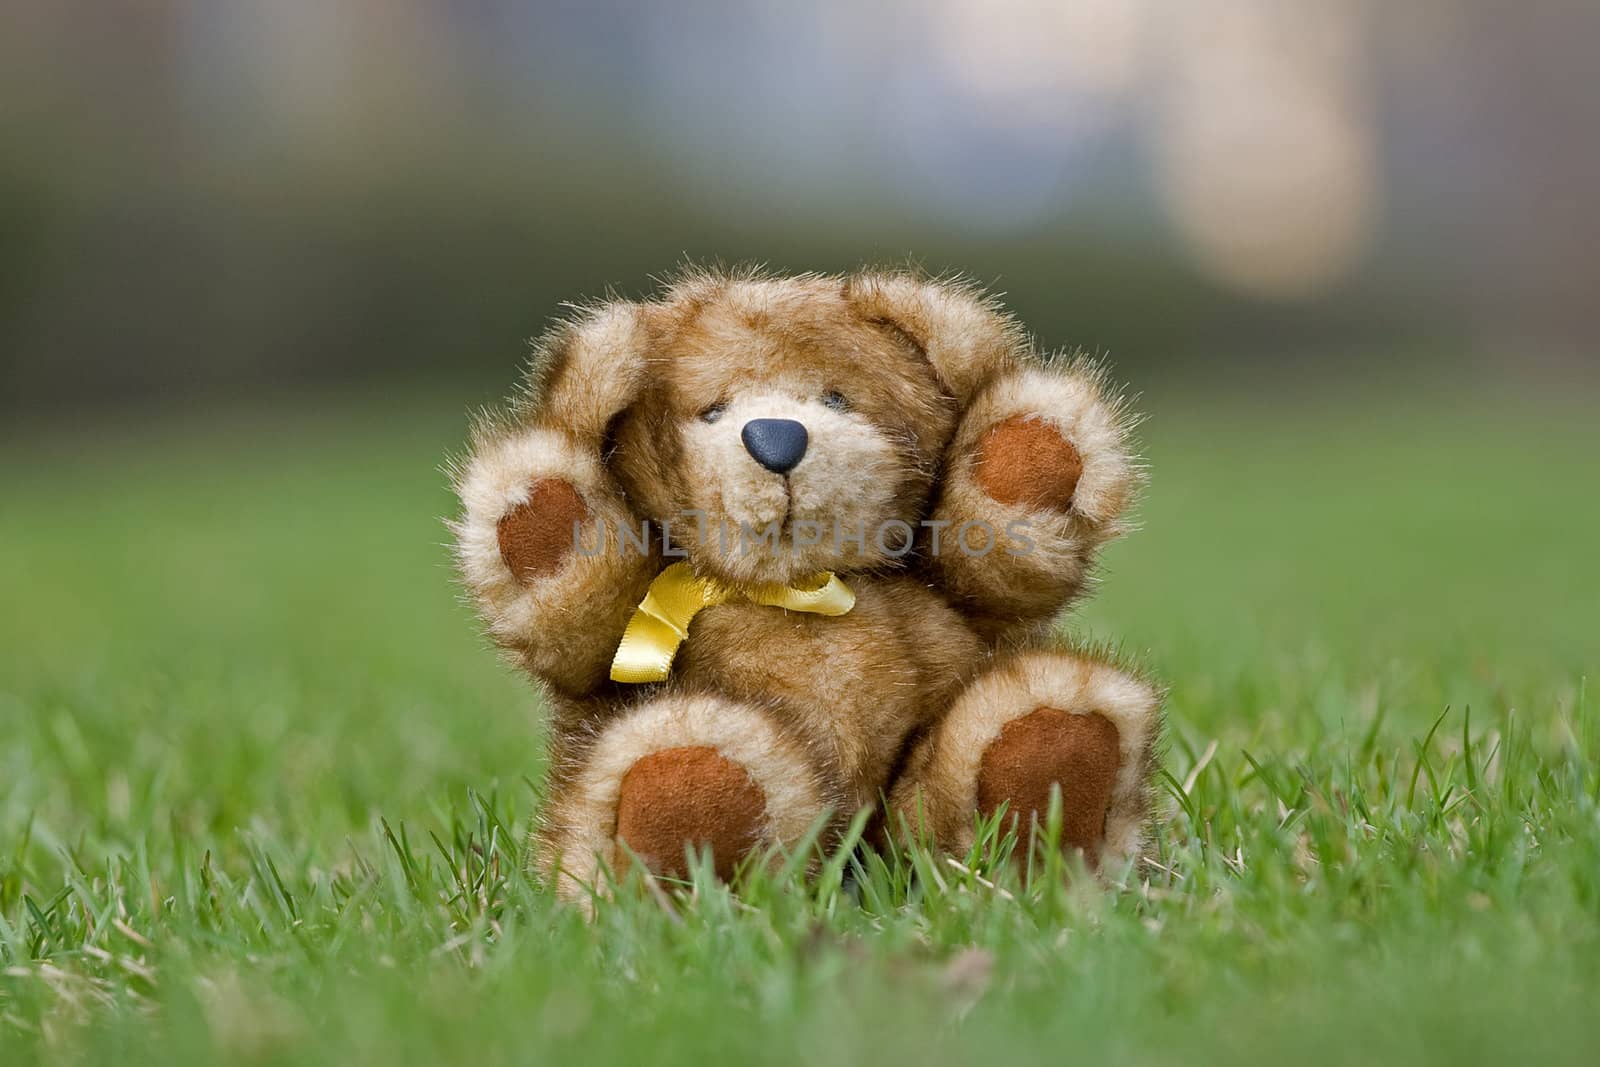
x=855, y=685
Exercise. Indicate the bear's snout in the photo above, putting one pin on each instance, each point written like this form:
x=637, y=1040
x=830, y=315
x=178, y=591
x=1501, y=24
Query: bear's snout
x=777, y=444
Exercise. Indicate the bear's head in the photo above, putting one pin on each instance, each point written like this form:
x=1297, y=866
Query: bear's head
x=775, y=427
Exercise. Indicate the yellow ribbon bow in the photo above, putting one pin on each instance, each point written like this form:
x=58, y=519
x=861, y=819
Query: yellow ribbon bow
x=661, y=622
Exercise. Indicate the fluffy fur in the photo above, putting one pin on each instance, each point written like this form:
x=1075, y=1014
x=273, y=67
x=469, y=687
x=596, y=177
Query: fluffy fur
x=898, y=379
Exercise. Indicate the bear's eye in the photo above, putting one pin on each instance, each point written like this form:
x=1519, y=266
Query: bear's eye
x=714, y=412
x=835, y=400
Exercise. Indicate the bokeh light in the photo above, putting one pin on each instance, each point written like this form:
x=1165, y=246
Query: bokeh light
x=1263, y=141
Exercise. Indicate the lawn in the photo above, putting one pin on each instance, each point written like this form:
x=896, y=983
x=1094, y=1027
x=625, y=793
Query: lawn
x=263, y=790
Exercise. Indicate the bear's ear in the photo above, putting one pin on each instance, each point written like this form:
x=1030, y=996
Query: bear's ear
x=965, y=335
x=586, y=370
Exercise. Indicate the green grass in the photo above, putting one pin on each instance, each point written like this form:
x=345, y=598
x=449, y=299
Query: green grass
x=263, y=791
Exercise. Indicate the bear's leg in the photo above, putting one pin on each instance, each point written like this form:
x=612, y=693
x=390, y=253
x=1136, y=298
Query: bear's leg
x=676, y=773
x=1036, y=723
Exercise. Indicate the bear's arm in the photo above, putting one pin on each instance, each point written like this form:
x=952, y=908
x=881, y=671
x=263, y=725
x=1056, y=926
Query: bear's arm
x=552, y=554
x=1037, y=477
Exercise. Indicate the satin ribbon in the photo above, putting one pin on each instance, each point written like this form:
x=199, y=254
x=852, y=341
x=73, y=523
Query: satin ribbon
x=661, y=622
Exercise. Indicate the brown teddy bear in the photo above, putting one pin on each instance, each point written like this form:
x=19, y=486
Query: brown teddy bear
x=780, y=547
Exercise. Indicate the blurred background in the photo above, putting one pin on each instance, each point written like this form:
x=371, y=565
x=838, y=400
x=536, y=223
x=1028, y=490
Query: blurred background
x=260, y=258
x=201, y=198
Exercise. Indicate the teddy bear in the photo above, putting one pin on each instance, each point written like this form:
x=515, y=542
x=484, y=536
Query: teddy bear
x=780, y=548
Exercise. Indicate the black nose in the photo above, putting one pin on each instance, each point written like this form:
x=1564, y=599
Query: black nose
x=777, y=444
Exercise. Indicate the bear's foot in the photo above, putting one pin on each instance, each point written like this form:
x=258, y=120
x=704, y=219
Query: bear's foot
x=1035, y=725
x=676, y=776
x=1051, y=751
x=689, y=798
